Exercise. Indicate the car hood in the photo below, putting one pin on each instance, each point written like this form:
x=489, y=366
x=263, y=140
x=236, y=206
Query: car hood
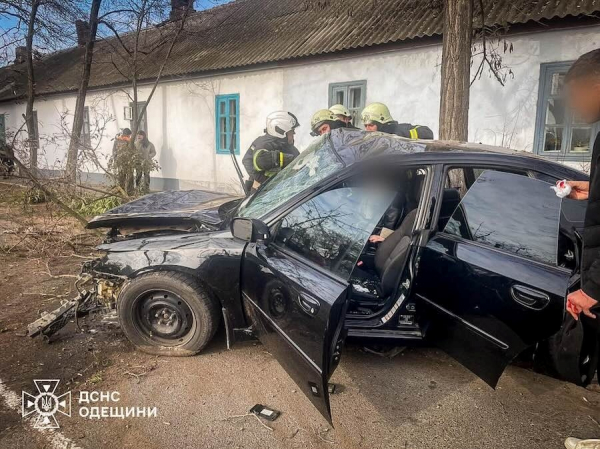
x=170, y=208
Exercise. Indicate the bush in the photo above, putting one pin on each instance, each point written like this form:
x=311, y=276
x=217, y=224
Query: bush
x=90, y=206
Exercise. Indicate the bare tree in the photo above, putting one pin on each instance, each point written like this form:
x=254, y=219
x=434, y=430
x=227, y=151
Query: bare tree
x=29, y=120
x=141, y=35
x=39, y=25
x=74, y=144
x=456, y=63
x=458, y=52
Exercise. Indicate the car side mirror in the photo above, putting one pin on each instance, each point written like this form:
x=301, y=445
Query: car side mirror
x=250, y=230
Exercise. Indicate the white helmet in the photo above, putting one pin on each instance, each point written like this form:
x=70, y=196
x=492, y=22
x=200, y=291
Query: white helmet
x=280, y=122
x=340, y=109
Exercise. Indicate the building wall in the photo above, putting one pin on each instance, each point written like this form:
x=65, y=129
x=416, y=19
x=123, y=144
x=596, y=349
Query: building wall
x=181, y=116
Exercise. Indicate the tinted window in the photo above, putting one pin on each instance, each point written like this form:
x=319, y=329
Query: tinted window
x=332, y=228
x=510, y=212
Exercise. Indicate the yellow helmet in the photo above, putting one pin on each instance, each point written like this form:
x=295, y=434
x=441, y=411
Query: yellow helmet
x=339, y=109
x=376, y=112
x=322, y=115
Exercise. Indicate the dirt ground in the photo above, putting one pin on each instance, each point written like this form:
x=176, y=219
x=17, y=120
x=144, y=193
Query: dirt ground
x=418, y=399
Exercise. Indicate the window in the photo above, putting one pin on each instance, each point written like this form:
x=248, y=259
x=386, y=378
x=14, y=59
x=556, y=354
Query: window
x=85, y=130
x=144, y=122
x=331, y=229
x=559, y=133
x=2, y=129
x=527, y=225
x=227, y=117
x=352, y=95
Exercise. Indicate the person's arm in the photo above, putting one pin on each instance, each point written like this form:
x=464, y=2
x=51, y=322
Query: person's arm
x=264, y=160
x=580, y=190
x=151, y=150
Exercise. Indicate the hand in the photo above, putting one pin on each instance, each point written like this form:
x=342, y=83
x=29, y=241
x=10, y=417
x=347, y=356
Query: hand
x=578, y=302
x=376, y=239
x=580, y=190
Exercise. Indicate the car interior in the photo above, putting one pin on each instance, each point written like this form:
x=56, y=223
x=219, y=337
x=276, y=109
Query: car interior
x=379, y=269
x=380, y=266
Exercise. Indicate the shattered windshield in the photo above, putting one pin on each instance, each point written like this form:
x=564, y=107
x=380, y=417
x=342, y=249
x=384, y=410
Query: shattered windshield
x=315, y=163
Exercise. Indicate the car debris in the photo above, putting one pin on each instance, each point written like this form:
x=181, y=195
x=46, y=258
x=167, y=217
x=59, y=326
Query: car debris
x=265, y=412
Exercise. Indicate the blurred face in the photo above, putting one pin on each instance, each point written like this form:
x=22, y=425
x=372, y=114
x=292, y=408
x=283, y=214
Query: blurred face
x=139, y=137
x=324, y=129
x=370, y=127
x=344, y=119
x=583, y=97
x=290, y=136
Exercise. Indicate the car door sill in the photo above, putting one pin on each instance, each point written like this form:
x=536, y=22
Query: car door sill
x=385, y=333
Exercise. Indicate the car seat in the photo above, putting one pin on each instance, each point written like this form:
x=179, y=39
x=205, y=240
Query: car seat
x=390, y=258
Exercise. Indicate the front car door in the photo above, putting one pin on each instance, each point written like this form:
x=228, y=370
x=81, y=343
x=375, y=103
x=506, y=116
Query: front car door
x=294, y=287
x=492, y=281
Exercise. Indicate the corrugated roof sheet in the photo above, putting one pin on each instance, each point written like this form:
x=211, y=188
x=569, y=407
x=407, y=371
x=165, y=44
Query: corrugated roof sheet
x=249, y=32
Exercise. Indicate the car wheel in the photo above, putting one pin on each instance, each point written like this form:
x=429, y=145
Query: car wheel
x=167, y=313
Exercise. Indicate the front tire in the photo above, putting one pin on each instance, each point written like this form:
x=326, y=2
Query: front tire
x=167, y=313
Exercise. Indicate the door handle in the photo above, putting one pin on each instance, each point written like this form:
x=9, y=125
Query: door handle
x=529, y=297
x=309, y=305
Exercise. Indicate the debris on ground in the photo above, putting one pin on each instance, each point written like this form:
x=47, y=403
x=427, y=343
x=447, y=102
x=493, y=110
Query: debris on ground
x=265, y=412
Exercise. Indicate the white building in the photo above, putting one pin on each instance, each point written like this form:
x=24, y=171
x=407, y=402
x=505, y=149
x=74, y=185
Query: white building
x=247, y=58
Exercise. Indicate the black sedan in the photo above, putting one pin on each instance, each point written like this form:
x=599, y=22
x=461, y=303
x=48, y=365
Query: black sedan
x=364, y=235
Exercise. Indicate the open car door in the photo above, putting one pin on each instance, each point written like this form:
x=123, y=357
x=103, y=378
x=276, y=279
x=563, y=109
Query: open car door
x=295, y=283
x=494, y=279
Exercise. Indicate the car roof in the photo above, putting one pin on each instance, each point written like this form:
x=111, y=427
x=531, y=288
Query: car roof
x=353, y=145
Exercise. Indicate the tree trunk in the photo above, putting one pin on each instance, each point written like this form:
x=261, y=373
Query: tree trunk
x=31, y=128
x=71, y=169
x=456, y=63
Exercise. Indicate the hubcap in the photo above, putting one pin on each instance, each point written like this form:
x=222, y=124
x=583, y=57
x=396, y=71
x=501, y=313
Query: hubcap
x=164, y=316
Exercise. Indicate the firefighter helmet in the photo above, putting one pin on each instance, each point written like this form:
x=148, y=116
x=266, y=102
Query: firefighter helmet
x=320, y=117
x=279, y=123
x=376, y=112
x=339, y=109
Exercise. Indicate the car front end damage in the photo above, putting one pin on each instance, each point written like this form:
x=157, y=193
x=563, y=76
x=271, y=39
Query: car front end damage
x=96, y=291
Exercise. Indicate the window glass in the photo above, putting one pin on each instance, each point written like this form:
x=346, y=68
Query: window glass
x=527, y=225
x=559, y=132
x=315, y=163
x=350, y=94
x=227, y=122
x=332, y=228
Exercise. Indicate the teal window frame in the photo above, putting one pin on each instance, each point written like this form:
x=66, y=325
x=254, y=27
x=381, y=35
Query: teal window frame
x=225, y=100
x=547, y=71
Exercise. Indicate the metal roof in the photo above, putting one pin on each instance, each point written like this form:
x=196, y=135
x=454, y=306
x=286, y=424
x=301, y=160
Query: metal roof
x=250, y=32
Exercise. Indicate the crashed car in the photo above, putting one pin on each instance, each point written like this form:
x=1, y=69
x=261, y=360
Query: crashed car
x=474, y=253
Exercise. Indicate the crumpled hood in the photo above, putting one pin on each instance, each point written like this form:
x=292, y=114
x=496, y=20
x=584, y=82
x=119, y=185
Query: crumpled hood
x=170, y=208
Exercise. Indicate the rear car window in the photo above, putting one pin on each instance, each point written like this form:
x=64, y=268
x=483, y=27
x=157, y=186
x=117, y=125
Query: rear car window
x=510, y=212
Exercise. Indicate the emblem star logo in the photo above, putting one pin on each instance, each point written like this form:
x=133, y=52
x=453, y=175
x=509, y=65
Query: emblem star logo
x=46, y=404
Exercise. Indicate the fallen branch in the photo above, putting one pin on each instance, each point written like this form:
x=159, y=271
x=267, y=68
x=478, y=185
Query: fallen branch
x=50, y=194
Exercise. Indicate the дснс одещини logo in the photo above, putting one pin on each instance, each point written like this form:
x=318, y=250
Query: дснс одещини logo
x=46, y=404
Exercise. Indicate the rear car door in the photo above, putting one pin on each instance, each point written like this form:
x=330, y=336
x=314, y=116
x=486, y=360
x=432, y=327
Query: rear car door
x=493, y=280
x=294, y=287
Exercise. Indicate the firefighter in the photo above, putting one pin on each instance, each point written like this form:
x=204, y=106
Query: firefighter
x=323, y=121
x=377, y=117
x=343, y=114
x=272, y=151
